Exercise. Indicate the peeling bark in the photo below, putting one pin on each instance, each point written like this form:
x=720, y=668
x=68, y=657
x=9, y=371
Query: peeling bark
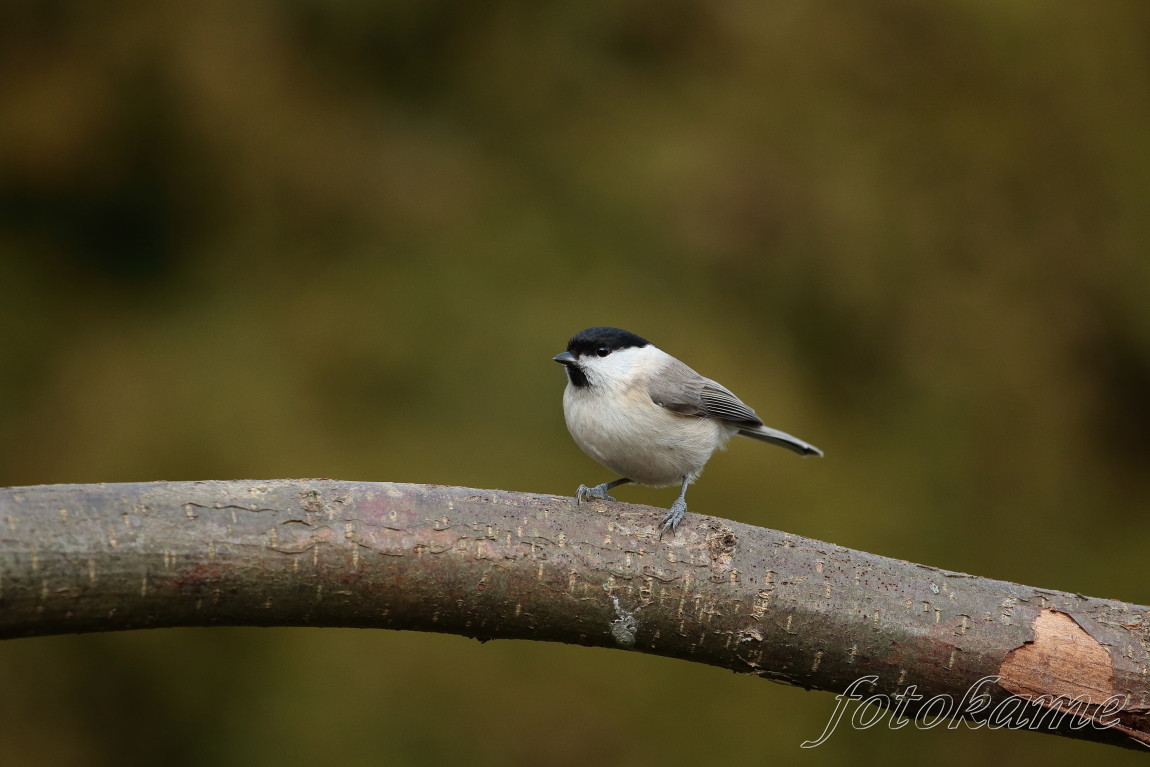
x=1065, y=669
x=493, y=564
x=1061, y=660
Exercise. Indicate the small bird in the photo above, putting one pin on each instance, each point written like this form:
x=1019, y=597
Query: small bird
x=648, y=417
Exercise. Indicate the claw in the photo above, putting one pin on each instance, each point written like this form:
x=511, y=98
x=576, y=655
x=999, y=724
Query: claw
x=673, y=517
x=677, y=512
x=598, y=492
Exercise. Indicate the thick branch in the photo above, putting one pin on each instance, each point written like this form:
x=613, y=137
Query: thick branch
x=491, y=564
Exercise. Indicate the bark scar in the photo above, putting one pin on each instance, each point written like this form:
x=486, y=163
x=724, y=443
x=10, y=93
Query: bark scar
x=1062, y=659
x=1062, y=663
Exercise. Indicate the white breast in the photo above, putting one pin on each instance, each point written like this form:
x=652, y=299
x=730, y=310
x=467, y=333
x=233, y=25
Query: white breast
x=615, y=422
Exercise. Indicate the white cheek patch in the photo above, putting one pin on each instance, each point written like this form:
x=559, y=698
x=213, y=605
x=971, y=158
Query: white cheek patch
x=620, y=368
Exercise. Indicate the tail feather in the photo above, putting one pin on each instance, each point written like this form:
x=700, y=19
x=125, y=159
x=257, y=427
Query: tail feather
x=780, y=438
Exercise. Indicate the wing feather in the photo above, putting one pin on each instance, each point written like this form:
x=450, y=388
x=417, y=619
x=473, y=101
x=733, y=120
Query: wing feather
x=681, y=390
x=719, y=402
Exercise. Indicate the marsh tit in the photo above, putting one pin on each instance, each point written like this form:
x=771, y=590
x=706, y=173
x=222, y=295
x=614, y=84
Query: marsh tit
x=645, y=415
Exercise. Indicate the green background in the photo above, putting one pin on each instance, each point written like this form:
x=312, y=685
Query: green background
x=343, y=239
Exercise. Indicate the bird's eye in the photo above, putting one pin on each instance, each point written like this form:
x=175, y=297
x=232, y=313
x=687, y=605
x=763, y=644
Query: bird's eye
x=603, y=351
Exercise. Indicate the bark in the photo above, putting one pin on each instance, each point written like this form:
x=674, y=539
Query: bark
x=493, y=565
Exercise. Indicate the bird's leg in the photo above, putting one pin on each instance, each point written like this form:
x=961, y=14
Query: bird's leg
x=599, y=491
x=677, y=512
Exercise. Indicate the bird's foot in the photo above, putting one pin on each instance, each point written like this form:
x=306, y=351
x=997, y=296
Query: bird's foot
x=673, y=517
x=598, y=492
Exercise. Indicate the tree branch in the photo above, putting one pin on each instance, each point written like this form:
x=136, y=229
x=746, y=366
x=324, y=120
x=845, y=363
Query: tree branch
x=493, y=564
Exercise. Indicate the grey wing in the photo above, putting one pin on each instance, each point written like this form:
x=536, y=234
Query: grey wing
x=719, y=402
x=682, y=390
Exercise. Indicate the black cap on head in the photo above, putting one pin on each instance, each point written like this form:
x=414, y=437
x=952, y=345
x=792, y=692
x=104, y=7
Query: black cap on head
x=589, y=340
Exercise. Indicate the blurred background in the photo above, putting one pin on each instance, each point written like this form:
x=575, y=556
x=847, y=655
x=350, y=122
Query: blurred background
x=313, y=238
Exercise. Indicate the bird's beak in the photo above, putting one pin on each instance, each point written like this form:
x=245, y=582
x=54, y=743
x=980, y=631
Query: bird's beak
x=566, y=358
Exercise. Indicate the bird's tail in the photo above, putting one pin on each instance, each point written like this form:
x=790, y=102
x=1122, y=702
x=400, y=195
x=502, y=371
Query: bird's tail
x=780, y=438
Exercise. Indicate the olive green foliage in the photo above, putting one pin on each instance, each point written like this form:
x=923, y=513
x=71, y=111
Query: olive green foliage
x=318, y=239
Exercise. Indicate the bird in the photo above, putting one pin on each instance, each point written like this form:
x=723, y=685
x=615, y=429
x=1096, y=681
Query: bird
x=650, y=418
